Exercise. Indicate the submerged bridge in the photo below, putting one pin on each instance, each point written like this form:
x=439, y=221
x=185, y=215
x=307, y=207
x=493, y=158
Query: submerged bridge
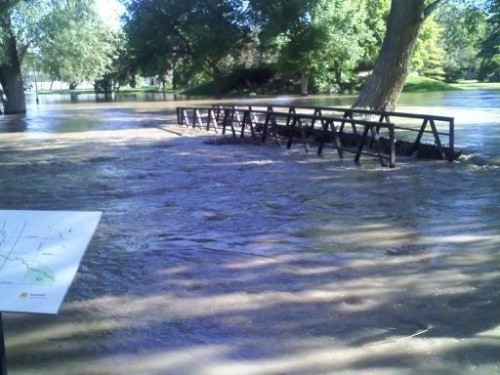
x=379, y=134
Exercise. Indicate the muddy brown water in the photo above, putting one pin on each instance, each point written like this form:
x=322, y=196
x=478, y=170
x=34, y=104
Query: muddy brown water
x=245, y=259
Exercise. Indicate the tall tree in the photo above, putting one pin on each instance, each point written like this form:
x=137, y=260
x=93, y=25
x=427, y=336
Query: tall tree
x=10, y=62
x=76, y=45
x=384, y=85
x=49, y=30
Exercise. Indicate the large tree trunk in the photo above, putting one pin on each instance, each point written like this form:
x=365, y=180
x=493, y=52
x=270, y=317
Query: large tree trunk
x=304, y=83
x=14, y=101
x=383, y=87
x=10, y=73
x=217, y=80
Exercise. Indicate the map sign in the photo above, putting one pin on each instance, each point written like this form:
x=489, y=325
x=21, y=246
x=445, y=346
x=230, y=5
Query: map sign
x=40, y=252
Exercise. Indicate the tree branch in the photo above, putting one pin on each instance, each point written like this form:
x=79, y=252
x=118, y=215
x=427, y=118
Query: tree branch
x=432, y=7
x=24, y=49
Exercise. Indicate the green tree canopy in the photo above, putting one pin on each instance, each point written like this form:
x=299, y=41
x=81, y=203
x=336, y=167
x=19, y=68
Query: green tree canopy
x=76, y=45
x=322, y=39
x=428, y=57
x=196, y=36
x=463, y=29
x=66, y=37
x=490, y=47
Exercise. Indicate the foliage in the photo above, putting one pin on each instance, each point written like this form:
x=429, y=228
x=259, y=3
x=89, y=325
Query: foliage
x=19, y=20
x=428, y=56
x=64, y=38
x=376, y=15
x=324, y=41
x=194, y=36
x=76, y=45
x=385, y=83
x=241, y=81
x=28, y=21
x=490, y=46
x=463, y=28
x=118, y=72
x=318, y=38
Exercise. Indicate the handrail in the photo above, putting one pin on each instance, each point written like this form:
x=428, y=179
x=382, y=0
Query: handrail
x=342, y=109
x=333, y=121
x=229, y=116
x=387, y=116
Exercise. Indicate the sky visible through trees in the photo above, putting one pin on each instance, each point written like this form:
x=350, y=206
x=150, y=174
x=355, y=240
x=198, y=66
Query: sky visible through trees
x=110, y=12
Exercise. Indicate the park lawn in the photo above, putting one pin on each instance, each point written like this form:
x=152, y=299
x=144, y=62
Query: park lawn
x=474, y=85
x=413, y=84
x=425, y=84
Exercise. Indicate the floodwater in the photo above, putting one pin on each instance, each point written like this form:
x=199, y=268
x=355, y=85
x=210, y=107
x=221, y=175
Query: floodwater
x=257, y=260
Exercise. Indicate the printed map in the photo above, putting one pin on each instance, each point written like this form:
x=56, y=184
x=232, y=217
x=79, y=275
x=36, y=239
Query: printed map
x=40, y=252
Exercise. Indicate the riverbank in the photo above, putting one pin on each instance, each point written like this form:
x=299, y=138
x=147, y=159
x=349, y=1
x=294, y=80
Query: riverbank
x=424, y=84
x=413, y=84
x=245, y=259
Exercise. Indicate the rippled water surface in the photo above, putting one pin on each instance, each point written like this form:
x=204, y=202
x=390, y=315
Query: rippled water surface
x=246, y=259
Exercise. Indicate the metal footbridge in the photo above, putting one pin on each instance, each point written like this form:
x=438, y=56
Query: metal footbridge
x=379, y=134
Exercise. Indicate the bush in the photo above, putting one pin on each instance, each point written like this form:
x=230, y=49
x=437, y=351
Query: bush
x=240, y=80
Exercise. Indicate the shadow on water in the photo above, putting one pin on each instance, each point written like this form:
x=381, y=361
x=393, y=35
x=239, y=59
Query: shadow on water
x=14, y=124
x=244, y=259
x=245, y=315
x=91, y=97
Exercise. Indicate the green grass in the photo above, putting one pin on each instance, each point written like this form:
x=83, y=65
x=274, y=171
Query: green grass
x=203, y=89
x=424, y=84
x=474, y=85
x=413, y=84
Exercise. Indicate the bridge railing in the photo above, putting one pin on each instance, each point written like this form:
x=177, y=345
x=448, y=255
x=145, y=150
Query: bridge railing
x=414, y=128
x=345, y=128
x=292, y=125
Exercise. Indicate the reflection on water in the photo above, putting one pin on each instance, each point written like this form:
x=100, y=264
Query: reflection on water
x=244, y=259
x=84, y=97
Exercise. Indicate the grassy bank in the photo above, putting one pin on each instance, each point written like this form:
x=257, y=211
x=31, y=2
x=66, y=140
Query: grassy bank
x=413, y=84
x=424, y=84
x=473, y=85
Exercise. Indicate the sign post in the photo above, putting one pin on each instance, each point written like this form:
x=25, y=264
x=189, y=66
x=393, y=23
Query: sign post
x=40, y=252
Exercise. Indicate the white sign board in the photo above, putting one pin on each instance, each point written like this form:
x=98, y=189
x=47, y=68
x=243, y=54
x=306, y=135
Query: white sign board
x=40, y=252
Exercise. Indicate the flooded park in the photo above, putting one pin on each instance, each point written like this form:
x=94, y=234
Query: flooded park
x=223, y=259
